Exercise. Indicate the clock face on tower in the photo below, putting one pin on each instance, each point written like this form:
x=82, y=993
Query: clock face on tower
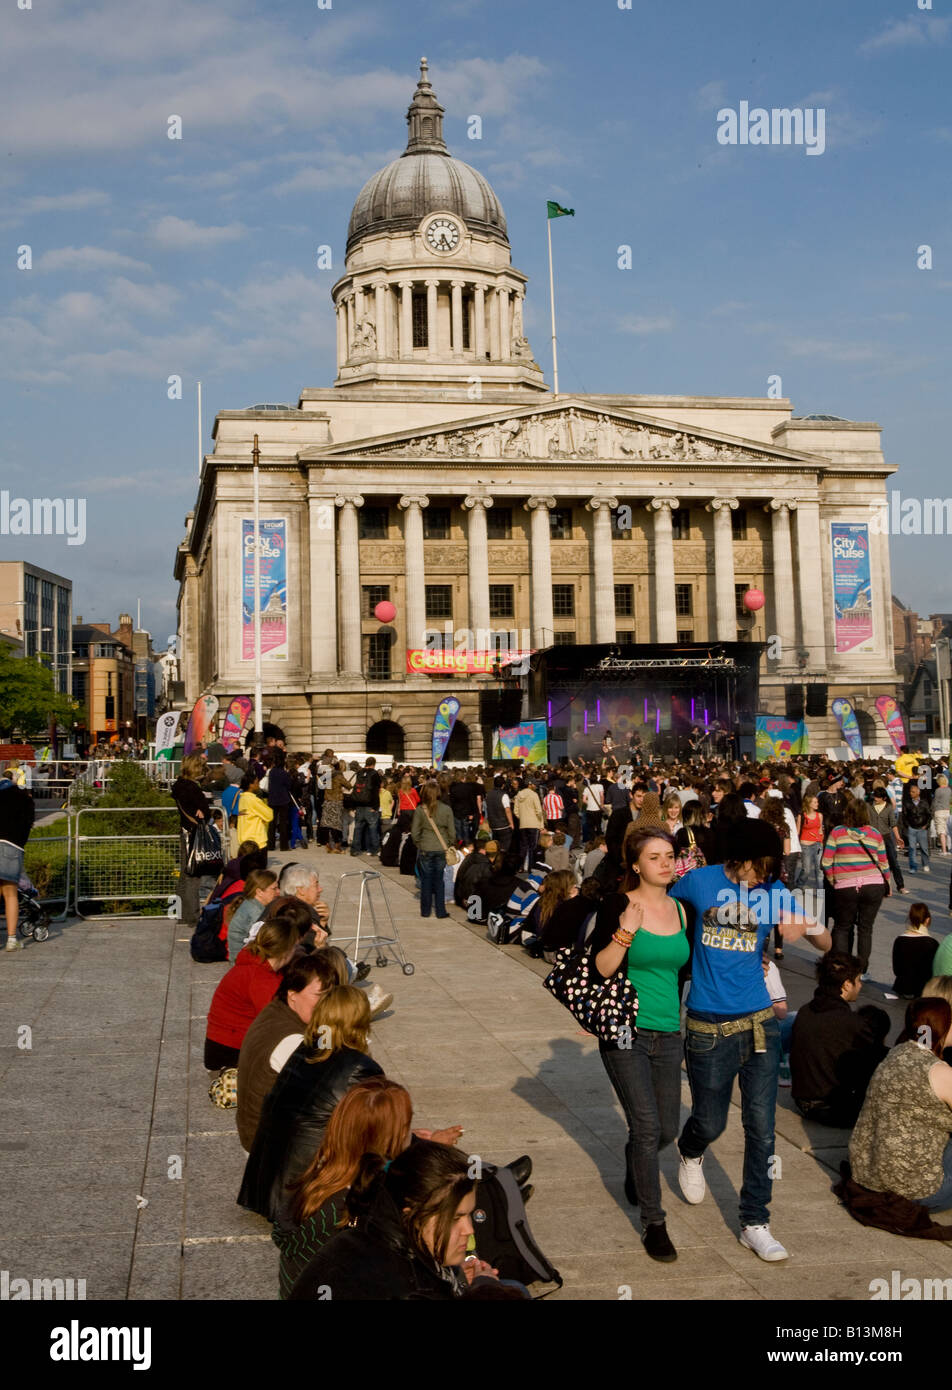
x=442, y=234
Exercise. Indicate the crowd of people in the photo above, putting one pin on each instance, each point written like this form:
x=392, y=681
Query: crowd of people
x=688, y=877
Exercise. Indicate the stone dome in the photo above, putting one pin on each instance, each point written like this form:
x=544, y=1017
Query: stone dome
x=426, y=178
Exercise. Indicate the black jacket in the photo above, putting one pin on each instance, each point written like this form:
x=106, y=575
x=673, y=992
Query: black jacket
x=17, y=813
x=293, y=1120
x=834, y=1051
x=618, y=822
x=916, y=814
x=474, y=871
x=374, y=1261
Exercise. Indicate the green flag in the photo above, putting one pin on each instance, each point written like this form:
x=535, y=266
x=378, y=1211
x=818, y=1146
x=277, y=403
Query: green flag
x=556, y=211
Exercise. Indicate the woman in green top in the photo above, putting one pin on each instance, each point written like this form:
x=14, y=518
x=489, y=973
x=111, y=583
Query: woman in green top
x=646, y=927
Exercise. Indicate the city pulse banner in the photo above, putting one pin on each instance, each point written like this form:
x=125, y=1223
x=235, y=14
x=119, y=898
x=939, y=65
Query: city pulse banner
x=852, y=587
x=779, y=738
x=273, y=574
x=526, y=742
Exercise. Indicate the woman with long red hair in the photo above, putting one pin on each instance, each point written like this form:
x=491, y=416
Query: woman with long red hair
x=373, y=1117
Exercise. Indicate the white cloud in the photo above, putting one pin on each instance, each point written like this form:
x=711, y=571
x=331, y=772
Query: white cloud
x=644, y=324
x=827, y=350
x=63, y=202
x=88, y=258
x=712, y=95
x=905, y=33
x=336, y=169
x=182, y=234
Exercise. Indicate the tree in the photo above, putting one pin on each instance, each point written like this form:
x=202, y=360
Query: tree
x=29, y=699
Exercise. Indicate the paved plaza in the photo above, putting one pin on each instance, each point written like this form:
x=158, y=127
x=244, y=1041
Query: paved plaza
x=118, y=1170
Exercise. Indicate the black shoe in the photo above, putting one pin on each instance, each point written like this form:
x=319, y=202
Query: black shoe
x=442, y=915
x=362, y=971
x=658, y=1245
x=521, y=1169
x=631, y=1193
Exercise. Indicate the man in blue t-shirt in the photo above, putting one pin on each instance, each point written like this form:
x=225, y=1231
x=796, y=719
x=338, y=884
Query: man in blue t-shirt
x=731, y=1027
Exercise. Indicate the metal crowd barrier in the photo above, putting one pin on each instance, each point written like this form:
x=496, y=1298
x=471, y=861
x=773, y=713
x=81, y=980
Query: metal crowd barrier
x=52, y=876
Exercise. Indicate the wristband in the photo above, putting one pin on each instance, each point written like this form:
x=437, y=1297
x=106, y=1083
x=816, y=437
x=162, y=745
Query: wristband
x=815, y=930
x=622, y=940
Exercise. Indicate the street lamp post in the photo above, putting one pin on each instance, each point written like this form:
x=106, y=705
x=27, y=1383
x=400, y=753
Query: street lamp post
x=255, y=458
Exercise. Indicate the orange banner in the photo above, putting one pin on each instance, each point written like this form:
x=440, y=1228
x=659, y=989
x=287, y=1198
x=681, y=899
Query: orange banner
x=452, y=663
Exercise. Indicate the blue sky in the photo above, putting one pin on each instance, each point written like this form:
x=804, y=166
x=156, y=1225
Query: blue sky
x=196, y=257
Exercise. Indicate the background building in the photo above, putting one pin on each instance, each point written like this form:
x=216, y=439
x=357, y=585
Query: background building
x=36, y=606
x=439, y=473
x=103, y=680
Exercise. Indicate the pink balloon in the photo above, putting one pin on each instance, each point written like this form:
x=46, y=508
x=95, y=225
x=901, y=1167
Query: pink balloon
x=753, y=600
x=385, y=611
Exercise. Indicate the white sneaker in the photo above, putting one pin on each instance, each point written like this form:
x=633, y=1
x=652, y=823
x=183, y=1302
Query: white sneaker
x=378, y=1000
x=691, y=1179
x=14, y=943
x=926, y=869
x=759, y=1239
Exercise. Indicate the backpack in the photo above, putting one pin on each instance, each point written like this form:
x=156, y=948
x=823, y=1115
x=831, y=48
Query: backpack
x=206, y=944
x=503, y=1237
x=691, y=858
x=229, y=800
x=362, y=793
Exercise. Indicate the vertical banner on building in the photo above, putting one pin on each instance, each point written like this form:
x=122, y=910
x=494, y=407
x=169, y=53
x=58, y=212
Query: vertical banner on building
x=845, y=716
x=199, y=723
x=165, y=727
x=779, y=738
x=889, y=713
x=852, y=587
x=274, y=590
x=445, y=718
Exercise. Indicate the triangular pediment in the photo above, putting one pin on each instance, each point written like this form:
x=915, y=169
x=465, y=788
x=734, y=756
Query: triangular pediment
x=571, y=431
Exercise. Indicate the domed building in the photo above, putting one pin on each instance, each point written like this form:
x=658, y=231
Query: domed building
x=614, y=536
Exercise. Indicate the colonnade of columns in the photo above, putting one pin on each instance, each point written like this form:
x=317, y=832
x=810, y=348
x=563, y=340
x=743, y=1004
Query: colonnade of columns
x=387, y=305
x=343, y=607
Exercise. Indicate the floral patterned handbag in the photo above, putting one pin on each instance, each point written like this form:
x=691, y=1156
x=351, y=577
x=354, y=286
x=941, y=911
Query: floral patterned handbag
x=605, y=1008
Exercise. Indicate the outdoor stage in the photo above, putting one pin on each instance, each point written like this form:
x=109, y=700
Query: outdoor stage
x=656, y=693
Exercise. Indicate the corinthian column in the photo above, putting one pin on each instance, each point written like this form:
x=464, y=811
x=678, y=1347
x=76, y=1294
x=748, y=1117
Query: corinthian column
x=666, y=618
x=603, y=567
x=543, y=632
x=479, y=315
x=810, y=584
x=784, y=612
x=322, y=564
x=349, y=586
x=415, y=574
x=456, y=301
x=431, y=338
x=726, y=614
x=341, y=333
x=381, y=292
x=477, y=538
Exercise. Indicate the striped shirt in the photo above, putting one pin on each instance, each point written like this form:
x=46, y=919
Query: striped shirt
x=554, y=806
x=845, y=861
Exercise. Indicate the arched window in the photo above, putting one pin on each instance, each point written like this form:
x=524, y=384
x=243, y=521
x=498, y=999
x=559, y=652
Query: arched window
x=386, y=737
x=457, y=750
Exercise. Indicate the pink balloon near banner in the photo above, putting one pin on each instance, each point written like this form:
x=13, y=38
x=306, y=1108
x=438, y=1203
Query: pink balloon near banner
x=385, y=611
x=754, y=600
x=236, y=722
x=890, y=714
x=199, y=723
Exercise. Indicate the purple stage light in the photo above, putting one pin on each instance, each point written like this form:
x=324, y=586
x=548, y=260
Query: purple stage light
x=705, y=719
x=585, y=725
x=657, y=727
x=646, y=710
x=549, y=716
x=598, y=711
x=692, y=711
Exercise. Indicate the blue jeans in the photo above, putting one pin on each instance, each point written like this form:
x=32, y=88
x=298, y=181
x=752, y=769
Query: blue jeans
x=918, y=838
x=366, y=822
x=647, y=1080
x=809, y=874
x=713, y=1062
x=463, y=827
x=528, y=844
x=431, y=866
x=941, y=1200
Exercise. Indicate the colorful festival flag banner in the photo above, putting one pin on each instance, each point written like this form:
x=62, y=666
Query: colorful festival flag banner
x=846, y=718
x=890, y=714
x=273, y=571
x=526, y=742
x=165, y=727
x=779, y=738
x=445, y=718
x=236, y=722
x=199, y=723
x=554, y=210
x=852, y=586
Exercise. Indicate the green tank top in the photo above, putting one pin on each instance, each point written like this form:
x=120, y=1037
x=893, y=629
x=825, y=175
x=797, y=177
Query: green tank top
x=653, y=965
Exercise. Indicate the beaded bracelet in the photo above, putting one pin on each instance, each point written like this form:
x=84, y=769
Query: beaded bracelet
x=622, y=940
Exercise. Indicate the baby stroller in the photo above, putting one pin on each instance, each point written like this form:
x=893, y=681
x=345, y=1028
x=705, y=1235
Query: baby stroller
x=33, y=919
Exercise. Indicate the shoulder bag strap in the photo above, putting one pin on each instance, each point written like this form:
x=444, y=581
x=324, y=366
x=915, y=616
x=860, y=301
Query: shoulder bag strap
x=869, y=855
x=435, y=828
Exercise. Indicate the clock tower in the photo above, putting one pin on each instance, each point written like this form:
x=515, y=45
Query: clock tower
x=430, y=298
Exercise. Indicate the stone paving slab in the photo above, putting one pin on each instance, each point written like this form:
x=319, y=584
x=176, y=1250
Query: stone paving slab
x=113, y=1093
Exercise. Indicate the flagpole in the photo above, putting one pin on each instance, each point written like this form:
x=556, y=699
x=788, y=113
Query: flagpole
x=255, y=455
x=555, y=359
